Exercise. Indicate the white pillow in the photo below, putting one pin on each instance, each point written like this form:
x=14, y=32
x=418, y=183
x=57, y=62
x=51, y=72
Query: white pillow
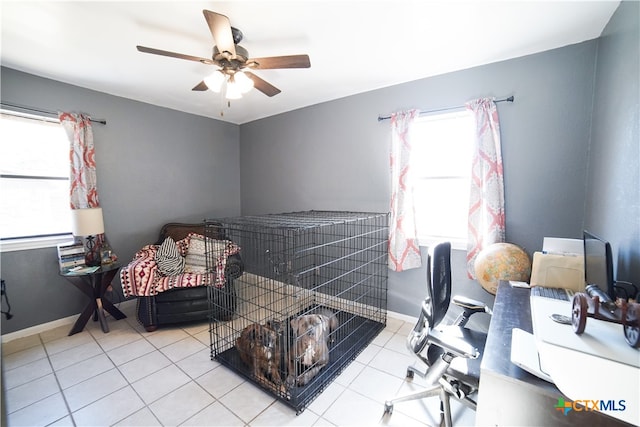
x=195, y=261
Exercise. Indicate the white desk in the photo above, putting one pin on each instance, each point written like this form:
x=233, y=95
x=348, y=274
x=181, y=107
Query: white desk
x=596, y=365
x=510, y=396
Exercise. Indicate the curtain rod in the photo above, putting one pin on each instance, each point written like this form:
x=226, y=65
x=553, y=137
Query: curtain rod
x=509, y=99
x=51, y=113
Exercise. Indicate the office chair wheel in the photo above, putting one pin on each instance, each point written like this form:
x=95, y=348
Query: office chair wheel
x=388, y=408
x=632, y=327
x=410, y=374
x=579, y=312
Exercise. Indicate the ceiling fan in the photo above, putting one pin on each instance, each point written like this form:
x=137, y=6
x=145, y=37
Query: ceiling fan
x=233, y=61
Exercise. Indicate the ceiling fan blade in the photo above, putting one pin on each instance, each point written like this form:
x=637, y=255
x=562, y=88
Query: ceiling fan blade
x=221, y=31
x=262, y=85
x=200, y=86
x=174, y=55
x=291, y=61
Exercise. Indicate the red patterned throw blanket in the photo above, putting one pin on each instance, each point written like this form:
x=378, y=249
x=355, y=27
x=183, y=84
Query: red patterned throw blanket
x=143, y=277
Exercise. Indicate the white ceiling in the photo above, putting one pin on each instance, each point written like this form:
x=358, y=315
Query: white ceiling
x=354, y=46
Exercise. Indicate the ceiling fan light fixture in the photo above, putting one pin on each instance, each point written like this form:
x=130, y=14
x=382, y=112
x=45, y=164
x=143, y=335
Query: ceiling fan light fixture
x=214, y=81
x=245, y=84
x=233, y=89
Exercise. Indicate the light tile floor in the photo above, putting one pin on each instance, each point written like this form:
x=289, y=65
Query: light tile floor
x=129, y=377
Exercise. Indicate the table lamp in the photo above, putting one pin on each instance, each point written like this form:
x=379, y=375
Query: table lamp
x=88, y=223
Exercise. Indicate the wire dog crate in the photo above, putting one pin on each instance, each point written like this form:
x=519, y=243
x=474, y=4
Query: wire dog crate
x=312, y=296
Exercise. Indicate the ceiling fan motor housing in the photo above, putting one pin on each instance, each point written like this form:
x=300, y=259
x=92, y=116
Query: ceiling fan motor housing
x=234, y=64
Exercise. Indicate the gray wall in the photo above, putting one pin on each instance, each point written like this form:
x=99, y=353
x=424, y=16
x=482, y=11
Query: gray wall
x=154, y=166
x=613, y=198
x=335, y=155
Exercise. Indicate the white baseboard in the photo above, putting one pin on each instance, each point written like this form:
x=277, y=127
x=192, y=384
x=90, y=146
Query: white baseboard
x=71, y=319
x=38, y=329
x=400, y=316
x=22, y=333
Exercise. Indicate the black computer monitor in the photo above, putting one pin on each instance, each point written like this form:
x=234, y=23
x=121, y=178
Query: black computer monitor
x=598, y=263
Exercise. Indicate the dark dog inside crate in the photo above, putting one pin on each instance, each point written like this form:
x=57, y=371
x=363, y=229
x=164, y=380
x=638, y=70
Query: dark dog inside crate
x=351, y=338
x=259, y=348
x=306, y=350
x=309, y=349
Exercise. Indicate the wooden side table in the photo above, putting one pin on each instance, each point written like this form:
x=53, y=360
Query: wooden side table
x=94, y=285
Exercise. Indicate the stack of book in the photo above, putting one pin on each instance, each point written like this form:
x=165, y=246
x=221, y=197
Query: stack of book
x=70, y=255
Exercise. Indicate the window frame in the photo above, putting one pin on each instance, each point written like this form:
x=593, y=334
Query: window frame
x=429, y=240
x=20, y=243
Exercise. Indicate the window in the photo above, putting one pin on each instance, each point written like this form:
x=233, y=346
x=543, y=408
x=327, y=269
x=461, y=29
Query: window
x=442, y=149
x=34, y=182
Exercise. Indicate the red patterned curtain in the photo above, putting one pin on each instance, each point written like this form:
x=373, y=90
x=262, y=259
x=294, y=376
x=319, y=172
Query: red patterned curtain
x=486, y=208
x=404, y=251
x=83, y=188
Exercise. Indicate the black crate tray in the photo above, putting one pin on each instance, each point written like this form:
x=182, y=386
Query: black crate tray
x=342, y=353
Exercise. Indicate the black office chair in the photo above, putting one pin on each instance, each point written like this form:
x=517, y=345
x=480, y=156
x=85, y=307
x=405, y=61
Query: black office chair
x=452, y=353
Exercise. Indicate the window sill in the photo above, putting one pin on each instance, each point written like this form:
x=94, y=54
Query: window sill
x=456, y=244
x=34, y=243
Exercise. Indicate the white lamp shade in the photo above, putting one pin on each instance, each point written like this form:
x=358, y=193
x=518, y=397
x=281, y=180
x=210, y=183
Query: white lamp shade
x=214, y=81
x=87, y=222
x=245, y=84
x=233, y=90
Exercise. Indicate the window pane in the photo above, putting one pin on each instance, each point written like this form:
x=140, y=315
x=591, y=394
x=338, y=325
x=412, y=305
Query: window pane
x=442, y=147
x=442, y=207
x=43, y=207
x=33, y=147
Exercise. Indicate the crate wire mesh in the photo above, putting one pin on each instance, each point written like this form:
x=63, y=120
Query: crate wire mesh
x=299, y=264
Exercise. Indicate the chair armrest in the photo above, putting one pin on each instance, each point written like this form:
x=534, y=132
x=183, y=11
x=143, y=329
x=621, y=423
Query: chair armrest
x=234, y=267
x=471, y=306
x=452, y=344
